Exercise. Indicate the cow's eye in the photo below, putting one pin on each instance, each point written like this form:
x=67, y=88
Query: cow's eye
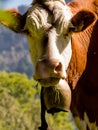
x=26, y=31
x=66, y=35
x=71, y=28
x=69, y=31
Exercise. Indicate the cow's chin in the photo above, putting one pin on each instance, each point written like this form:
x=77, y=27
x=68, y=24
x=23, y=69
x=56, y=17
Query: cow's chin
x=57, y=98
x=49, y=81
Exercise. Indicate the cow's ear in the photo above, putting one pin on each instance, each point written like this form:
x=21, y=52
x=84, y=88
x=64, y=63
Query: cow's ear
x=82, y=20
x=12, y=19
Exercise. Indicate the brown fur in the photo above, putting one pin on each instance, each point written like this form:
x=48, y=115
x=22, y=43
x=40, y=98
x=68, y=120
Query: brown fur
x=83, y=68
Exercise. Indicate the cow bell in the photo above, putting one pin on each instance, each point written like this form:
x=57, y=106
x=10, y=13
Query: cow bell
x=57, y=98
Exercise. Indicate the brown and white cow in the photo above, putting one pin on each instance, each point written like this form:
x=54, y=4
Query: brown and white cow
x=63, y=46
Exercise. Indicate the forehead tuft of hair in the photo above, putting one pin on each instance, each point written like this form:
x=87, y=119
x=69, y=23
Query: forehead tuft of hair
x=52, y=12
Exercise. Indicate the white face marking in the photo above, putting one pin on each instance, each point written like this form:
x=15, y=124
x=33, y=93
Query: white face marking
x=82, y=124
x=39, y=21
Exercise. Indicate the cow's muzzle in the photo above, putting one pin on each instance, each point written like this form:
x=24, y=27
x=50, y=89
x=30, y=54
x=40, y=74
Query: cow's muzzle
x=49, y=72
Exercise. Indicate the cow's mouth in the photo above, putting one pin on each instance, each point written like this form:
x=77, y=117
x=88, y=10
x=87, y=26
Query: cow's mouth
x=51, y=81
x=55, y=110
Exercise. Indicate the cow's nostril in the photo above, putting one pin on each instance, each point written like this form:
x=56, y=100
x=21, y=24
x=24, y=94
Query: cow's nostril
x=58, y=68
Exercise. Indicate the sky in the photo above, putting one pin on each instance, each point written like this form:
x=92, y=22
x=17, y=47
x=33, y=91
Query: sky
x=14, y=3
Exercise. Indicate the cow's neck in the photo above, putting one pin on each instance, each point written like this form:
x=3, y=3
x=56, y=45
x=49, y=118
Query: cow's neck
x=80, y=45
x=85, y=53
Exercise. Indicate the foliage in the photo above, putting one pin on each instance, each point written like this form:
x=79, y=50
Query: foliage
x=20, y=105
x=16, y=102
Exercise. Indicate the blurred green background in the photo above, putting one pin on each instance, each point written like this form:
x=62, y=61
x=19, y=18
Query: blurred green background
x=20, y=105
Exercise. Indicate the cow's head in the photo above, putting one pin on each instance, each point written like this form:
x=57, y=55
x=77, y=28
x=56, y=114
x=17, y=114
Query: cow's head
x=49, y=25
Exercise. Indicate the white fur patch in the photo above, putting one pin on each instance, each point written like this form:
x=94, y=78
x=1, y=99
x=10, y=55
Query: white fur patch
x=39, y=21
x=39, y=18
x=82, y=124
x=62, y=15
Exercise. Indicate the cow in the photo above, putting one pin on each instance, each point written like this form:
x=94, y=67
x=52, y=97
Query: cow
x=64, y=51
